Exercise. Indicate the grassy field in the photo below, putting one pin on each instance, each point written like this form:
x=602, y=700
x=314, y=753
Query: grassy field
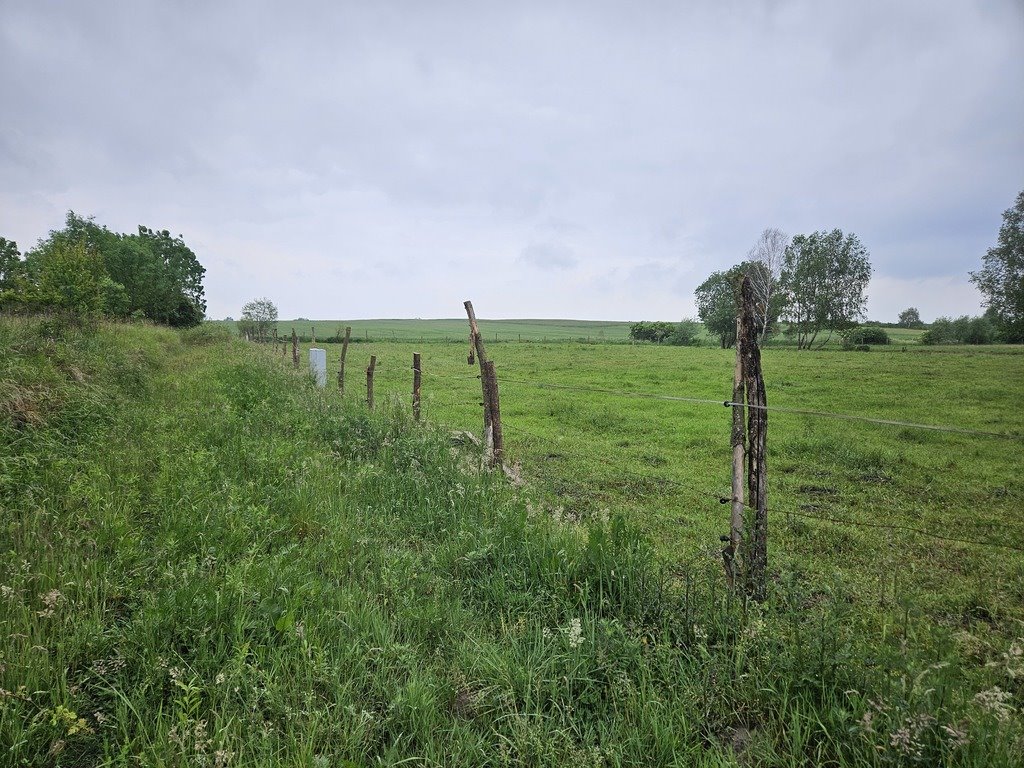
x=669, y=462
x=497, y=331
x=207, y=561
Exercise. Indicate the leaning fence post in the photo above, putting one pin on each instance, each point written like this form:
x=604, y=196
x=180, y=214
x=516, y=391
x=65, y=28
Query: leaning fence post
x=295, y=349
x=369, y=381
x=757, y=434
x=416, y=380
x=497, y=441
x=478, y=348
x=341, y=365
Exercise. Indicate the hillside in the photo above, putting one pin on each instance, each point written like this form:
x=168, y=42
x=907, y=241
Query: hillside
x=207, y=561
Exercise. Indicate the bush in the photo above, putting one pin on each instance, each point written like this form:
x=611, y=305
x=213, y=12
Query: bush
x=651, y=331
x=206, y=334
x=963, y=330
x=864, y=335
x=685, y=334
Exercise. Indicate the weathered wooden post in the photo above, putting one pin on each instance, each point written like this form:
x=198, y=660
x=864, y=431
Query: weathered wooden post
x=757, y=439
x=341, y=365
x=312, y=334
x=369, y=381
x=295, y=349
x=477, y=348
x=496, y=441
x=733, y=554
x=416, y=380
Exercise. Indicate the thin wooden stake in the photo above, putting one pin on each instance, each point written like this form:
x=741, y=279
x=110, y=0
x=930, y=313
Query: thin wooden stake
x=341, y=365
x=313, y=334
x=416, y=380
x=477, y=342
x=369, y=381
x=295, y=349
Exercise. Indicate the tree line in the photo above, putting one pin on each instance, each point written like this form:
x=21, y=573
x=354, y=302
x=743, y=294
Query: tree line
x=86, y=271
x=815, y=286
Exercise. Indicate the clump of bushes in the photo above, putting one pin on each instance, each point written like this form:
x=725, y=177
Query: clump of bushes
x=864, y=335
x=685, y=333
x=962, y=330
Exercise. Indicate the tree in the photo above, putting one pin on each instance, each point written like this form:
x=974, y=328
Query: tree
x=768, y=253
x=12, y=272
x=70, y=280
x=258, y=317
x=718, y=301
x=159, y=275
x=823, y=279
x=1001, y=278
x=910, y=318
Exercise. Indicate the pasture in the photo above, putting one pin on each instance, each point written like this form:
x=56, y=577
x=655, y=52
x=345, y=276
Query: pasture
x=209, y=561
x=453, y=330
x=591, y=442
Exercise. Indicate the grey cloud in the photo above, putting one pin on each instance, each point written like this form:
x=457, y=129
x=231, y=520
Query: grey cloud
x=342, y=134
x=548, y=256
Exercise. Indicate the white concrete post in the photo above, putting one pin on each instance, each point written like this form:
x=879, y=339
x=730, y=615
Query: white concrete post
x=318, y=365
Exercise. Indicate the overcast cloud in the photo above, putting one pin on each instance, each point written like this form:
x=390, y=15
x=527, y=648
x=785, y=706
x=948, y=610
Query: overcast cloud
x=585, y=159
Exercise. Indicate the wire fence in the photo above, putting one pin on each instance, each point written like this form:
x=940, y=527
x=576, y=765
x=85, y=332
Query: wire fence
x=700, y=494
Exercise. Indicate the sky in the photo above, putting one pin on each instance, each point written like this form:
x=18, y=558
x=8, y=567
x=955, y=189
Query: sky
x=585, y=159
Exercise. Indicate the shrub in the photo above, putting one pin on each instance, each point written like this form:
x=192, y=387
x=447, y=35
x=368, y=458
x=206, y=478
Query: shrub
x=685, y=334
x=864, y=335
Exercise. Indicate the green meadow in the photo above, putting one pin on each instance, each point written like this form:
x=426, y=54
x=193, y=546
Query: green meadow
x=498, y=331
x=206, y=560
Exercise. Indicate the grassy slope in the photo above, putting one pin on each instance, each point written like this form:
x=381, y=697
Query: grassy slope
x=205, y=559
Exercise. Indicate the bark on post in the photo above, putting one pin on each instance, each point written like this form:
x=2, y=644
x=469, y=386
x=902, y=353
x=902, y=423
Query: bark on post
x=416, y=379
x=341, y=365
x=295, y=349
x=481, y=355
x=733, y=553
x=497, y=441
x=369, y=381
x=757, y=434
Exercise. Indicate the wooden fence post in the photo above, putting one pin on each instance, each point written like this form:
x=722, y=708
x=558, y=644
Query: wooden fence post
x=416, y=380
x=295, y=349
x=369, y=381
x=497, y=441
x=733, y=554
x=313, y=334
x=757, y=434
x=481, y=355
x=341, y=365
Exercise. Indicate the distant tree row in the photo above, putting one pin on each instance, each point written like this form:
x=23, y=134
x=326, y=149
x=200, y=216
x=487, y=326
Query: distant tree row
x=85, y=270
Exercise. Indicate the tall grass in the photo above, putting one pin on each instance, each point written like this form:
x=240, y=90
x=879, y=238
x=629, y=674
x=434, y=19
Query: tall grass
x=206, y=561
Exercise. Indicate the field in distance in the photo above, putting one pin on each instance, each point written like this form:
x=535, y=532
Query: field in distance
x=457, y=329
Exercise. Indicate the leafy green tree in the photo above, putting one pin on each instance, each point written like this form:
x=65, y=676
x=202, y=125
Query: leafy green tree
x=1001, y=278
x=910, y=318
x=70, y=281
x=258, y=318
x=718, y=300
x=823, y=278
x=12, y=273
x=160, y=276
